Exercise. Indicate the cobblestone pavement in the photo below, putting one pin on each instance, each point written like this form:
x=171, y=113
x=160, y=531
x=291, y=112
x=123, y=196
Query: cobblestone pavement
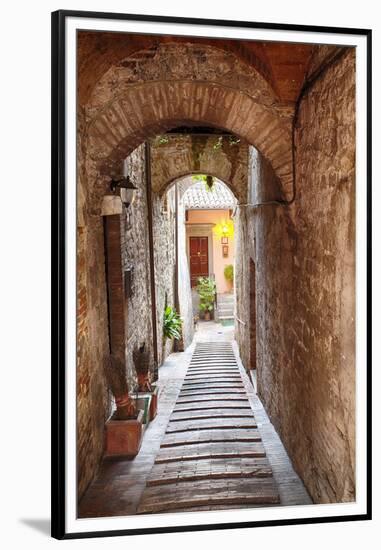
x=211, y=445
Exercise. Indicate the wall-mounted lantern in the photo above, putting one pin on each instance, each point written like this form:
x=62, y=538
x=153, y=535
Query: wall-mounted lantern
x=129, y=281
x=127, y=190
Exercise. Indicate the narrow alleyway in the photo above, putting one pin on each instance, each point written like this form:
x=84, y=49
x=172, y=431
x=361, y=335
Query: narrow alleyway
x=210, y=447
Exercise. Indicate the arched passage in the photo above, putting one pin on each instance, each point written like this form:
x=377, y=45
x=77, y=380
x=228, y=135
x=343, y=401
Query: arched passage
x=224, y=157
x=148, y=109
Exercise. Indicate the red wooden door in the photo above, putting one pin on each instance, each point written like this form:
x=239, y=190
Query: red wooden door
x=198, y=254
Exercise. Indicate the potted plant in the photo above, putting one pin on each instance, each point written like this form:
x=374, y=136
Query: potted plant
x=229, y=273
x=147, y=397
x=123, y=434
x=141, y=357
x=172, y=324
x=206, y=288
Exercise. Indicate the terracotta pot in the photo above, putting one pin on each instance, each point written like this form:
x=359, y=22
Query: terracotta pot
x=124, y=437
x=153, y=405
x=141, y=359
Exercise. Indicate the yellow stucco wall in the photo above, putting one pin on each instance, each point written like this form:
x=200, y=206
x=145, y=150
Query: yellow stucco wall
x=218, y=262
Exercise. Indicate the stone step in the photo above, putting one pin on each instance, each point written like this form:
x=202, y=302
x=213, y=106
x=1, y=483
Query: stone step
x=226, y=377
x=208, y=436
x=225, y=307
x=212, y=385
x=216, y=449
x=225, y=298
x=207, y=346
x=215, y=391
x=249, y=472
x=210, y=424
x=227, y=398
x=225, y=317
x=180, y=407
x=206, y=371
x=208, y=492
x=216, y=414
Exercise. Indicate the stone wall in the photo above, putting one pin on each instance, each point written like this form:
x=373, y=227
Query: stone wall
x=93, y=403
x=324, y=258
x=185, y=293
x=305, y=278
x=135, y=253
x=164, y=218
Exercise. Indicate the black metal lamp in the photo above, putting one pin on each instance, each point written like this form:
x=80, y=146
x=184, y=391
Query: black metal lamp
x=127, y=189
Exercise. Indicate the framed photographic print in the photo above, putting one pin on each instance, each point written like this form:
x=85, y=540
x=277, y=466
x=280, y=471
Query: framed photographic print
x=224, y=240
x=184, y=400
x=225, y=251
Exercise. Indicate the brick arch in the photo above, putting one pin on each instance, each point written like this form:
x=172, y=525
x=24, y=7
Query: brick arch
x=147, y=109
x=180, y=155
x=98, y=50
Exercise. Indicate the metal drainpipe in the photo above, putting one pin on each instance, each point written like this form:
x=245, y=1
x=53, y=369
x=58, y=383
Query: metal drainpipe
x=178, y=345
x=176, y=248
x=151, y=259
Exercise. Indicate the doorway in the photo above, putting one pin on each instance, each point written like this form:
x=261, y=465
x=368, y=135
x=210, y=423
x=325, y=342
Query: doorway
x=198, y=258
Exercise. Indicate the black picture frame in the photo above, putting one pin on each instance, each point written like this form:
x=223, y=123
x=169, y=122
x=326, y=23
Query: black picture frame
x=59, y=247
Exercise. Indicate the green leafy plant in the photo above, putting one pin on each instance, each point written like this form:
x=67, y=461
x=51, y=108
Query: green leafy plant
x=233, y=140
x=206, y=288
x=161, y=140
x=208, y=180
x=218, y=144
x=172, y=324
x=229, y=272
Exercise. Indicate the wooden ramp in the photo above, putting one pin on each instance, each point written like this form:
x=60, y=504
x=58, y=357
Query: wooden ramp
x=211, y=454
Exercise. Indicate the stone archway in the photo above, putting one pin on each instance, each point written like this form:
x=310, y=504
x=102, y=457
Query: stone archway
x=175, y=156
x=167, y=85
x=148, y=109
